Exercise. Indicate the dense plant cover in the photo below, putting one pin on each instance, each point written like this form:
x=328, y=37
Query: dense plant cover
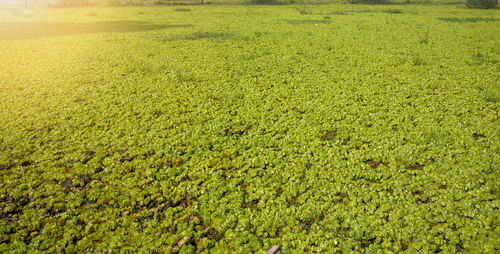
x=484, y=4
x=233, y=129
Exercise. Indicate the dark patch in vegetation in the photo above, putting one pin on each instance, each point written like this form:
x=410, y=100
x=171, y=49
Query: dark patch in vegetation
x=6, y=166
x=98, y=170
x=79, y=100
x=127, y=158
x=88, y=202
x=337, y=13
x=392, y=11
x=25, y=163
x=172, y=161
x=416, y=166
x=306, y=223
x=371, y=180
x=329, y=135
x=293, y=201
x=366, y=179
x=86, y=156
x=184, y=201
x=340, y=198
x=362, y=11
x=346, y=141
x=47, y=128
x=304, y=10
x=279, y=191
x=211, y=234
x=208, y=35
x=66, y=183
x=367, y=242
x=157, y=206
x=252, y=204
x=373, y=164
x=35, y=30
x=375, y=2
x=235, y=131
x=299, y=110
x=85, y=179
x=423, y=200
x=198, y=36
x=482, y=4
x=265, y=2
x=157, y=113
x=185, y=178
x=464, y=20
x=307, y=21
x=17, y=209
x=478, y=135
x=459, y=247
x=157, y=251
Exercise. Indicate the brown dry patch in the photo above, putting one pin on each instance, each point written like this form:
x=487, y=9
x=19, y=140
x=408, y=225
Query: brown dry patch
x=415, y=166
x=192, y=217
x=178, y=245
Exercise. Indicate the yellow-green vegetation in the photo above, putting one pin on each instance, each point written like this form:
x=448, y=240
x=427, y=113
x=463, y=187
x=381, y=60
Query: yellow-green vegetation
x=219, y=129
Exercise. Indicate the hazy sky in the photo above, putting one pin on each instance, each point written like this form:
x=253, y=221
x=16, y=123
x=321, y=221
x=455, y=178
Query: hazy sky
x=16, y=2
x=13, y=1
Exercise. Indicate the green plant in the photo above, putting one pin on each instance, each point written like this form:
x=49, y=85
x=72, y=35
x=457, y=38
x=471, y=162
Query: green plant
x=337, y=13
x=463, y=20
x=491, y=94
x=199, y=35
x=307, y=21
x=182, y=9
x=182, y=76
x=370, y=1
x=393, y=11
x=424, y=39
x=478, y=59
x=264, y=2
x=304, y=10
x=417, y=60
x=482, y=4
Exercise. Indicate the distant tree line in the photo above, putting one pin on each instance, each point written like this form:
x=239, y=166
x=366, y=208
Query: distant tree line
x=483, y=4
x=486, y=4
